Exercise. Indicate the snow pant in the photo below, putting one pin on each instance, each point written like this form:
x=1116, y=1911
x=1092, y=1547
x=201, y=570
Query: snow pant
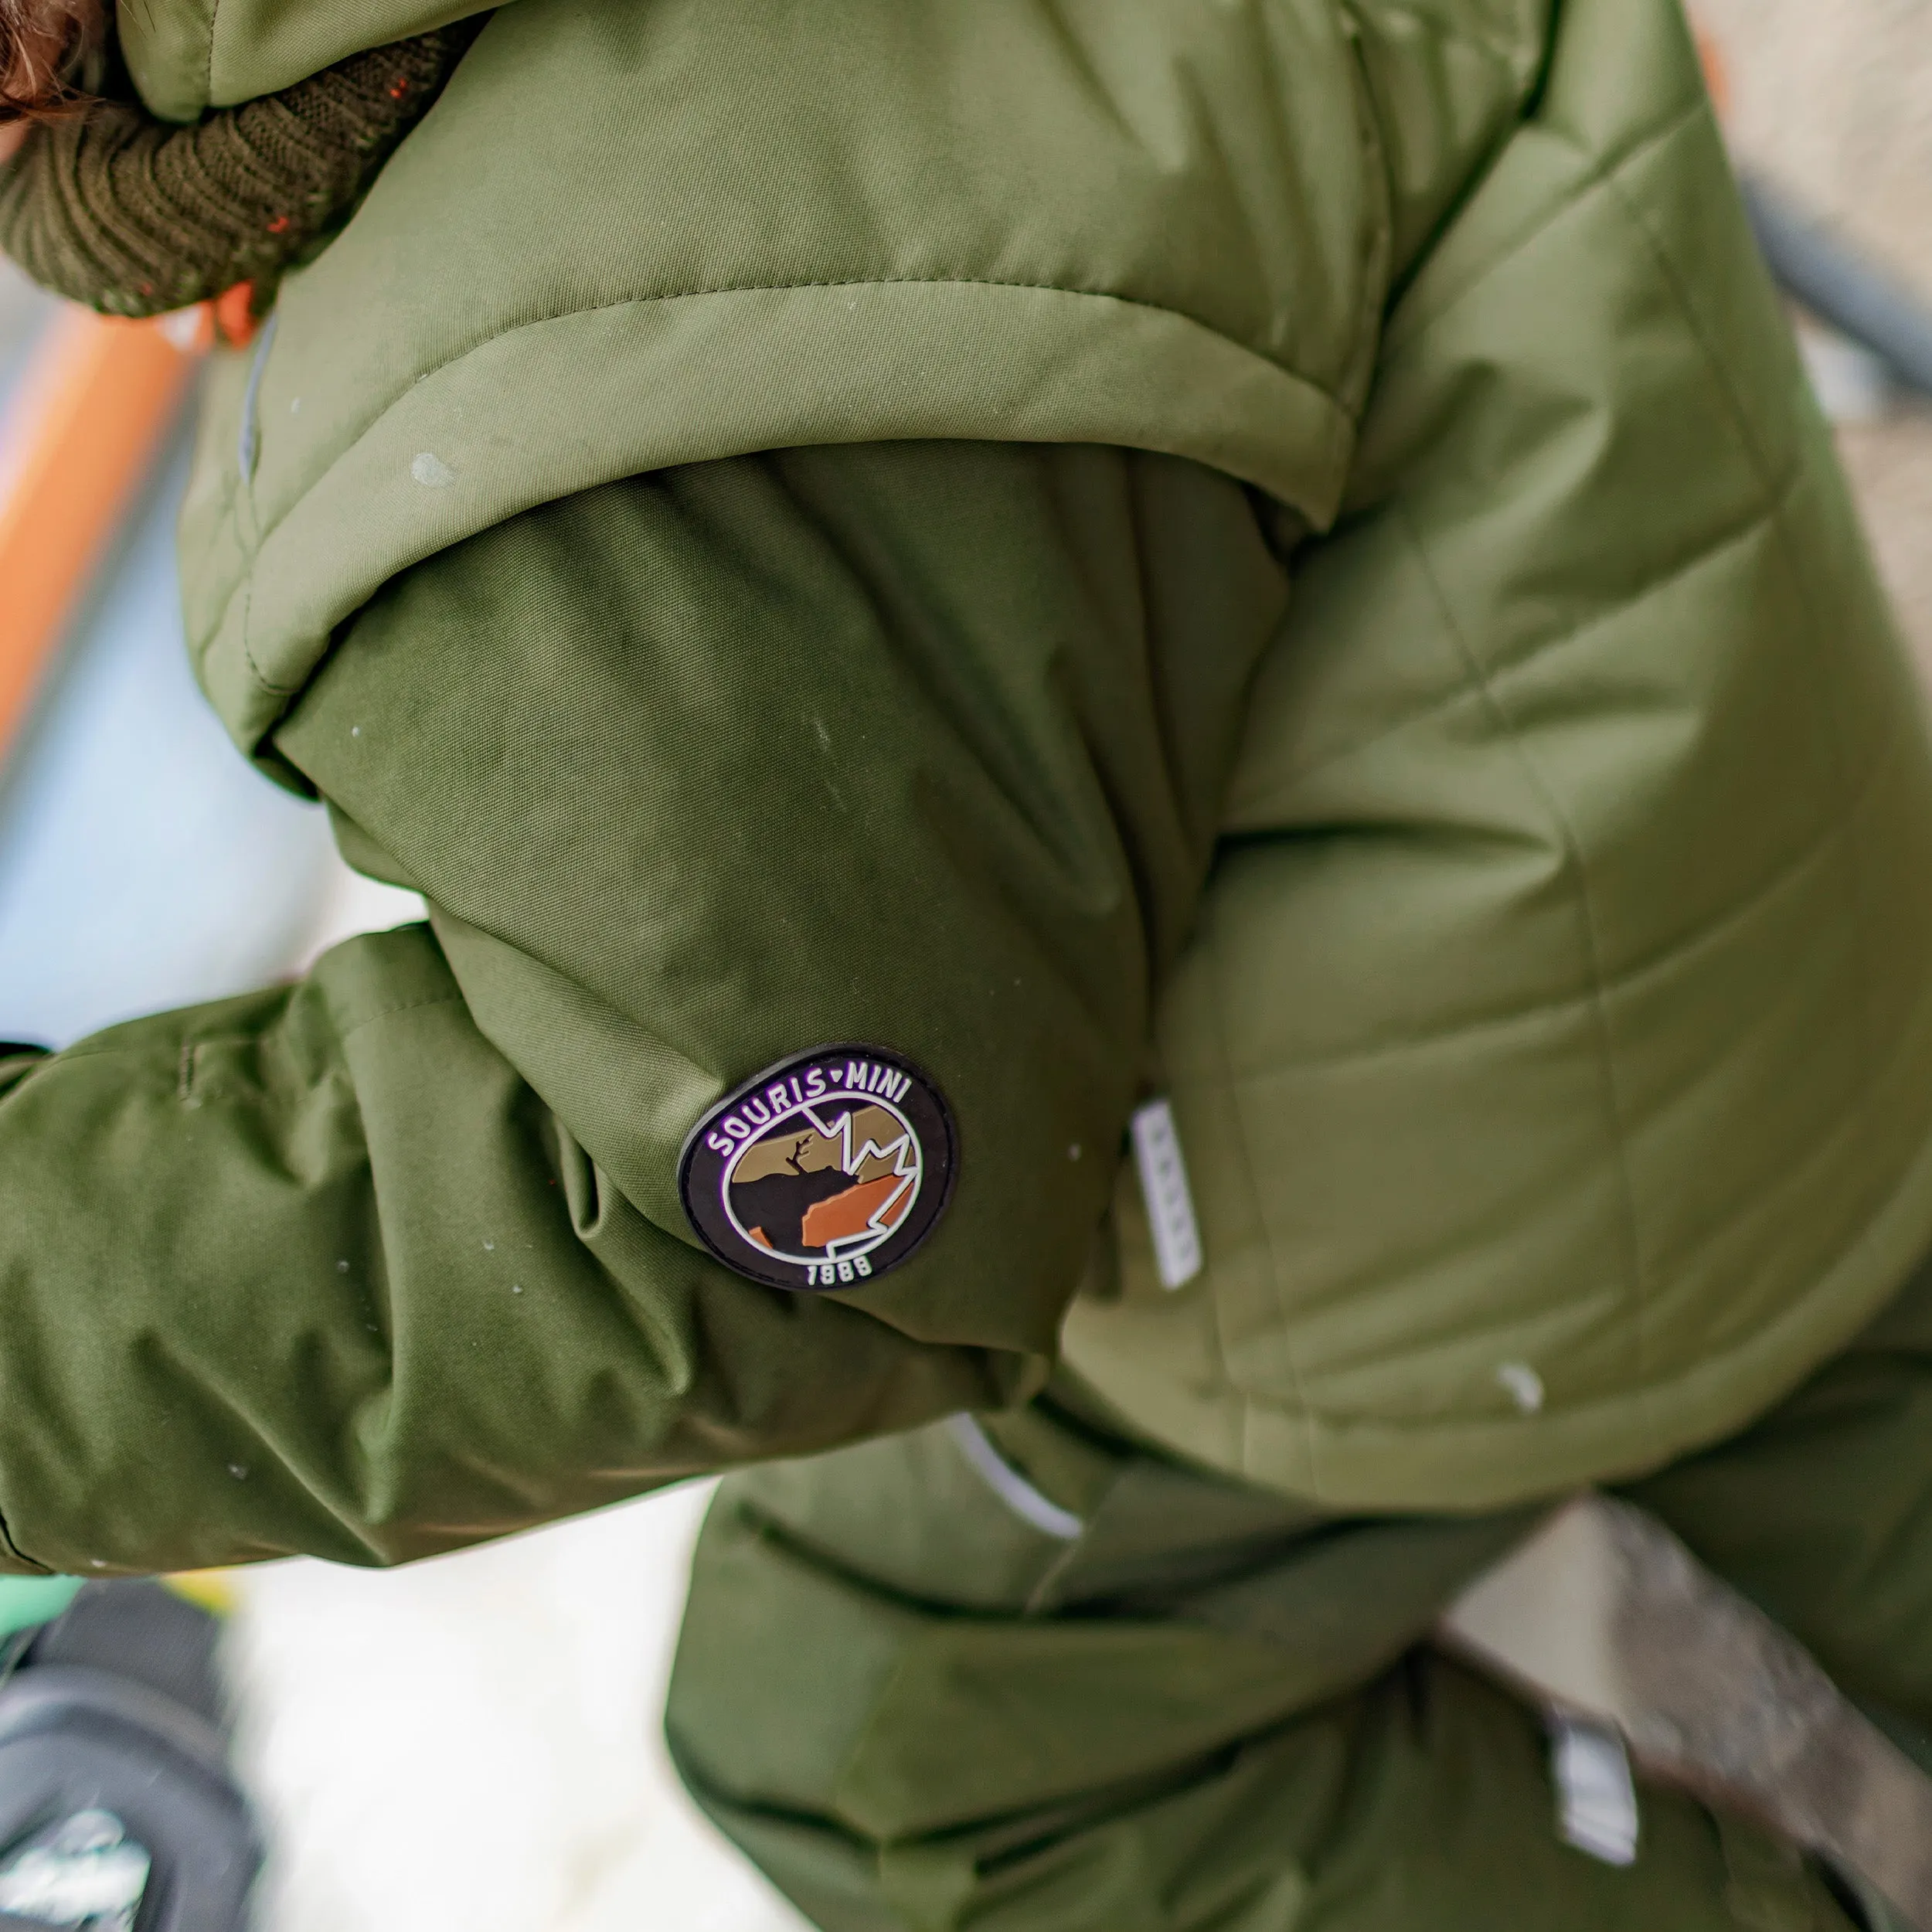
x=1019, y=1674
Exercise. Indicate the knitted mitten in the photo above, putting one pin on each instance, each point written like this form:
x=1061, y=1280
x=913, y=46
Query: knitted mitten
x=135, y=216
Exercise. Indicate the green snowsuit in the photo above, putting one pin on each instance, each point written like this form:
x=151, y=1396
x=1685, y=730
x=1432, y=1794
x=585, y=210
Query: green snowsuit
x=1271, y=553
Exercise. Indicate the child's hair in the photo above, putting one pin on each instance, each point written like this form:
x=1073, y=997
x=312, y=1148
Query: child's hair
x=43, y=46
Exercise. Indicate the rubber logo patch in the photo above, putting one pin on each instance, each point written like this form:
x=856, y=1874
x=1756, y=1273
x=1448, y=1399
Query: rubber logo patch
x=825, y=1172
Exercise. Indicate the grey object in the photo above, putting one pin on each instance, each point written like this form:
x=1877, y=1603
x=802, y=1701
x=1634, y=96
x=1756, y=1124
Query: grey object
x=117, y=1810
x=75, y=1742
x=85, y=1870
x=1840, y=285
x=1603, y=1612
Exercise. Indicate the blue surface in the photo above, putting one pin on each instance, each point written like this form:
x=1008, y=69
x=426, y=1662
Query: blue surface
x=143, y=862
x=24, y=310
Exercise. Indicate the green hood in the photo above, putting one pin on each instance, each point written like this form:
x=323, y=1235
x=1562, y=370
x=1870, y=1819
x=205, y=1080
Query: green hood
x=187, y=55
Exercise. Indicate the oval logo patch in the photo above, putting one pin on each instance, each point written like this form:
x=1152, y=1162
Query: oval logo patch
x=825, y=1172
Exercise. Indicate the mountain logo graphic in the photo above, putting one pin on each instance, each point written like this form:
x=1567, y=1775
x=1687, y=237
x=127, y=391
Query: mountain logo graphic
x=824, y=1171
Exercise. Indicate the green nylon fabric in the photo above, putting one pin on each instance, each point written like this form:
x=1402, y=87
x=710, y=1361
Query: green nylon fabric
x=1210, y=1706
x=1553, y=1056
x=1205, y=1708
x=919, y=743
x=1529, y=929
x=627, y=237
x=1559, y=1015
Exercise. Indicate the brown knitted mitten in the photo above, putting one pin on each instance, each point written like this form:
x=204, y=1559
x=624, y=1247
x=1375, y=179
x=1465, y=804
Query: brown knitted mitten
x=135, y=216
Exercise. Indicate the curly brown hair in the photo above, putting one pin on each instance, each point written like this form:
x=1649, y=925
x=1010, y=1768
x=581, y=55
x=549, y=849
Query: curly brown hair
x=43, y=46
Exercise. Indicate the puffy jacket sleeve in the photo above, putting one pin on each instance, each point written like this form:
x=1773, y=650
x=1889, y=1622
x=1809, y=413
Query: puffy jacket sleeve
x=918, y=745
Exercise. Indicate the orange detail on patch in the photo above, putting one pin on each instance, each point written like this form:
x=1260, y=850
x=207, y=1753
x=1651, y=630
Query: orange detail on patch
x=852, y=1211
x=758, y=1235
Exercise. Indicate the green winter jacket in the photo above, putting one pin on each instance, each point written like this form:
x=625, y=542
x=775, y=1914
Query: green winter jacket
x=781, y=526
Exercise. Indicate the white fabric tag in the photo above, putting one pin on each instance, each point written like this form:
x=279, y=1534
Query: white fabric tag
x=1170, y=1205
x=1595, y=1801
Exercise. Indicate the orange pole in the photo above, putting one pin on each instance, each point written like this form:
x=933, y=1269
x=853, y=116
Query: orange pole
x=94, y=405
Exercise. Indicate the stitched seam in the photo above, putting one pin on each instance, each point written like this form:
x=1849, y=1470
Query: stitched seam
x=1651, y=1393
x=267, y=534
x=1587, y=924
x=1555, y=641
x=1733, y=913
x=1719, y=374
x=1405, y=336
x=863, y=1740
x=191, y=1047
x=407, y=1006
x=229, y=517
x=1275, y=1288
x=1067, y=1558
x=250, y=544
x=1821, y=1146
x=247, y=588
x=1375, y=261
x=1682, y=1254
x=72, y=1056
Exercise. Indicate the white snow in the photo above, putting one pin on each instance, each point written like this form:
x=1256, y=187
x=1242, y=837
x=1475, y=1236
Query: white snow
x=473, y=1744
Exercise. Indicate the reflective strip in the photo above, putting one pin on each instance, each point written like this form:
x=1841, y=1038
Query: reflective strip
x=248, y=441
x=1595, y=1801
x=1009, y=1485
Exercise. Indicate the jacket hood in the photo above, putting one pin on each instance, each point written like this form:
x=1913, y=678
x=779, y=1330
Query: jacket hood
x=187, y=55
